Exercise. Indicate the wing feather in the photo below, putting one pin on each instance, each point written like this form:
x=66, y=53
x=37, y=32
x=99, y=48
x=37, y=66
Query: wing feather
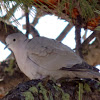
x=51, y=54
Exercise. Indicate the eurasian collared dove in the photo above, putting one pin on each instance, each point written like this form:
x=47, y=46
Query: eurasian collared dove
x=41, y=57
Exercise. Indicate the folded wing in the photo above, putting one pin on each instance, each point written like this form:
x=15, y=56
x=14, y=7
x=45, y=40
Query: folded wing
x=51, y=54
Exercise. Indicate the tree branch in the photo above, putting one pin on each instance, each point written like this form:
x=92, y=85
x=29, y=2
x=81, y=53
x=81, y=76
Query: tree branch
x=86, y=42
x=78, y=26
x=70, y=89
x=64, y=32
x=33, y=31
x=27, y=24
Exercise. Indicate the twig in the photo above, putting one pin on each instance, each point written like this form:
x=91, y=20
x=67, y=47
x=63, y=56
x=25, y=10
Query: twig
x=78, y=35
x=64, y=32
x=33, y=31
x=17, y=19
x=27, y=24
x=86, y=42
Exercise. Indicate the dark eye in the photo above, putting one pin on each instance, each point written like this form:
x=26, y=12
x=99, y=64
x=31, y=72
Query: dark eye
x=14, y=39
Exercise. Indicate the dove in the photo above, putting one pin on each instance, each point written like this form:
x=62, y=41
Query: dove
x=40, y=57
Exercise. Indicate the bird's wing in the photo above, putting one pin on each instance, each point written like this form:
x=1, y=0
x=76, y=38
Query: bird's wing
x=51, y=54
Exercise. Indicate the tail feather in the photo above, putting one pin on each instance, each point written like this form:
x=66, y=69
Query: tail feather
x=81, y=71
x=88, y=74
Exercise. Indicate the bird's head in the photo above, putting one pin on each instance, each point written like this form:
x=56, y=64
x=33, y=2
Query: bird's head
x=13, y=40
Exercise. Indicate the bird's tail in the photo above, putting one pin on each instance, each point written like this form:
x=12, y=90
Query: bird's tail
x=77, y=74
x=88, y=74
x=81, y=71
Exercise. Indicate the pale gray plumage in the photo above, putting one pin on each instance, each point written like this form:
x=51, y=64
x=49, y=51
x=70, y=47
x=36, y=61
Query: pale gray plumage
x=41, y=57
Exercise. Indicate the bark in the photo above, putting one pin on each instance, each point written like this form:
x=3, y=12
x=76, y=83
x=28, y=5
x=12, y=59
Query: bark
x=91, y=53
x=5, y=30
x=78, y=26
x=66, y=90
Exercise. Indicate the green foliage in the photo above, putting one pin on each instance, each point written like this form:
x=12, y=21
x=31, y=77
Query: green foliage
x=60, y=7
x=98, y=12
x=43, y=91
x=45, y=94
x=67, y=90
x=87, y=87
x=80, y=91
x=86, y=8
x=10, y=69
x=33, y=89
x=28, y=95
x=65, y=96
x=97, y=28
x=9, y=11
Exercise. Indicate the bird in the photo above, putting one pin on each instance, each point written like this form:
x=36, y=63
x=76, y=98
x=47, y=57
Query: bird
x=40, y=57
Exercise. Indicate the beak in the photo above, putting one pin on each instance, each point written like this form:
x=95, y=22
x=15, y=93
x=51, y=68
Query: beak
x=6, y=46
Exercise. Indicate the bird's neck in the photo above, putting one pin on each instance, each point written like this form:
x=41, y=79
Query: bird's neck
x=20, y=54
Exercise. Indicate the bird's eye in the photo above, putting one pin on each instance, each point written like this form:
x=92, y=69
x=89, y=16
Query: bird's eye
x=14, y=40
